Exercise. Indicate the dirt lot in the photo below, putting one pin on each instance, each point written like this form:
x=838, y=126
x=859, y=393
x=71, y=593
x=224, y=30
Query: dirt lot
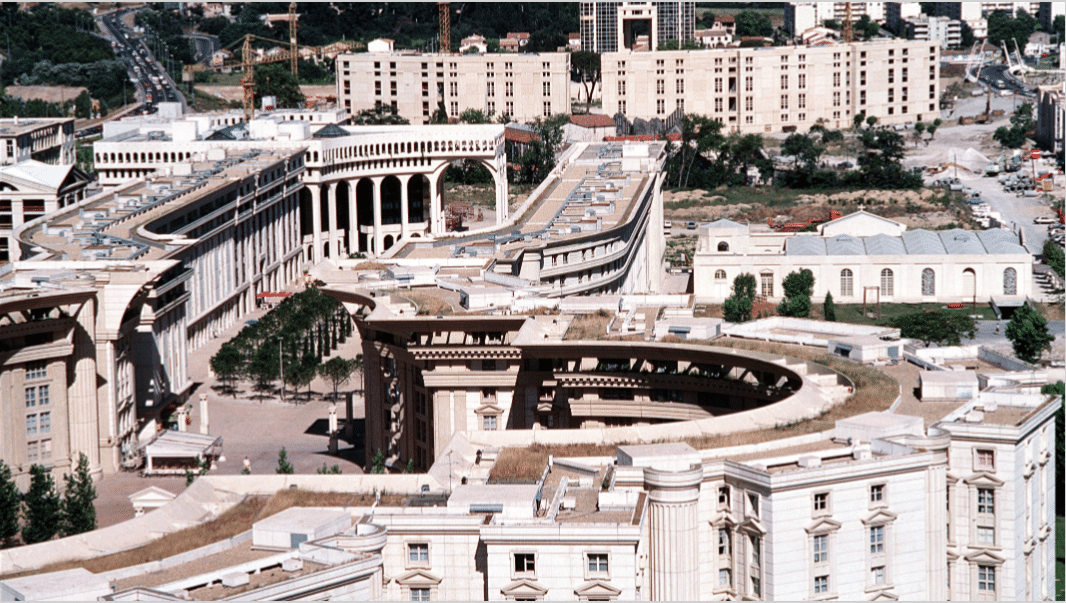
x=51, y=94
x=918, y=209
x=235, y=93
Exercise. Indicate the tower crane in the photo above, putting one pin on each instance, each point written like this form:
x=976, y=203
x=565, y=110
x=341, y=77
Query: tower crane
x=249, y=60
x=445, y=15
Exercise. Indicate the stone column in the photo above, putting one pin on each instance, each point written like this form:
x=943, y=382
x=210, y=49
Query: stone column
x=435, y=209
x=82, y=402
x=316, y=223
x=334, y=244
x=673, y=542
x=204, y=421
x=353, y=219
x=404, y=218
x=377, y=215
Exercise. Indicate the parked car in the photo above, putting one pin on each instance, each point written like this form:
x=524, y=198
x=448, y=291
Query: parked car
x=692, y=225
x=1044, y=220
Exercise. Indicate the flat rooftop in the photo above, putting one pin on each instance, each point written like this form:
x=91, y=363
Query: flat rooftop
x=17, y=126
x=106, y=226
x=598, y=189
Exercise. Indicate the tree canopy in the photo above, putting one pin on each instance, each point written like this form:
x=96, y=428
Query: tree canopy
x=382, y=115
x=799, y=287
x=1029, y=334
x=1002, y=27
x=941, y=328
x=737, y=307
x=585, y=67
x=277, y=81
x=753, y=23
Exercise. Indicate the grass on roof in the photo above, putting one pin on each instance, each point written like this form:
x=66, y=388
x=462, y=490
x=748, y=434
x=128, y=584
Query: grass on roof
x=237, y=520
x=588, y=326
x=526, y=465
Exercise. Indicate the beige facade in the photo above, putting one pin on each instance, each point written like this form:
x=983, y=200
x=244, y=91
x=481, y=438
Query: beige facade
x=780, y=88
x=521, y=86
x=31, y=189
x=48, y=140
x=614, y=26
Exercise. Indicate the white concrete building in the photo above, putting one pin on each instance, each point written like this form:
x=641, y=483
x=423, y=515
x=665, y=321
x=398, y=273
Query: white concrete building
x=801, y=16
x=523, y=86
x=367, y=186
x=948, y=32
x=48, y=140
x=898, y=12
x=615, y=26
x=756, y=90
x=31, y=189
x=865, y=258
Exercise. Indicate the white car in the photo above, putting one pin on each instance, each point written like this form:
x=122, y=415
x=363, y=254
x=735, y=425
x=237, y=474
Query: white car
x=1044, y=220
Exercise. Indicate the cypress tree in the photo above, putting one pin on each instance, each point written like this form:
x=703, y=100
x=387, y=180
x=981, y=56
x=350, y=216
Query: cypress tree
x=43, y=507
x=10, y=499
x=79, y=514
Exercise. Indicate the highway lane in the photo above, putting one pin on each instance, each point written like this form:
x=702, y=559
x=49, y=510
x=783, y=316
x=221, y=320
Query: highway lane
x=152, y=83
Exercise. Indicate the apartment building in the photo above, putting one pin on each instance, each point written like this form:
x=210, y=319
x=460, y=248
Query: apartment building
x=1047, y=12
x=946, y=32
x=152, y=270
x=522, y=86
x=785, y=88
x=615, y=26
x=30, y=189
x=898, y=12
x=1051, y=117
x=48, y=140
x=801, y=16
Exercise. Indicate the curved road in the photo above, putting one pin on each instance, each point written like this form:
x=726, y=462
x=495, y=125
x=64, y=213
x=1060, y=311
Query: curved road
x=153, y=84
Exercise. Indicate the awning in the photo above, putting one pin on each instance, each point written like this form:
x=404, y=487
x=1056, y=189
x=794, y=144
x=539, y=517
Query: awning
x=182, y=444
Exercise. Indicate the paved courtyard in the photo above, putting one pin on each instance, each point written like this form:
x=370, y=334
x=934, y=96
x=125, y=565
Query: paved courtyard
x=255, y=425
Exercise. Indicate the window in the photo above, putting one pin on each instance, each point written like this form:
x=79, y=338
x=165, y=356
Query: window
x=725, y=543
x=488, y=422
x=719, y=275
x=784, y=82
x=986, y=536
x=420, y=594
x=928, y=282
x=46, y=422
x=31, y=397
x=508, y=88
x=802, y=102
x=749, y=104
x=836, y=99
x=525, y=564
x=547, y=109
x=31, y=425
x=36, y=370
x=877, y=493
x=1010, y=281
x=597, y=563
x=821, y=502
x=821, y=548
x=660, y=107
x=986, y=459
x=767, y=283
x=986, y=501
x=887, y=282
x=877, y=540
x=878, y=574
x=43, y=396
x=784, y=101
x=749, y=84
x=846, y=283
x=803, y=81
x=546, y=88
x=986, y=578
x=621, y=87
x=723, y=492
x=718, y=105
x=753, y=504
x=756, y=549
x=418, y=552
x=821, y=585
x=725, y=577
x=756, y=587
x=660, y=86
x=680, y=86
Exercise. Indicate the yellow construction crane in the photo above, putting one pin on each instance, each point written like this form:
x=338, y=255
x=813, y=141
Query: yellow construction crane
x=849, y=32
x=444, y=12
x=249, y=60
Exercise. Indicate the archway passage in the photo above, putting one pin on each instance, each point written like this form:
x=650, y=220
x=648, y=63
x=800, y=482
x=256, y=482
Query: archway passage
x=386, y=243
x=342, y=205
x=306, y=213
x=364, y=210
x=390, y=200
x=323, y=202
x=478, y=186
x=418, y=198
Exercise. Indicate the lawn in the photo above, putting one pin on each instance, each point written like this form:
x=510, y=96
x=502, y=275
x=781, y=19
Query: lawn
x=852, y=313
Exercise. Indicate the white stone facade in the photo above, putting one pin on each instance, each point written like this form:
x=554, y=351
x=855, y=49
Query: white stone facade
x=757, y=90
x=48, y=140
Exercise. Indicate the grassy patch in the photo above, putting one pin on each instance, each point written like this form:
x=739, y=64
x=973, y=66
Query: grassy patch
x=767, y=196
x=370, y=266
x=236, y=520
x=427, y=303
x=852, y=313
x=680, y=245
x=203, y=102
x=589, y=326
x=708, y=311
x=526, y=465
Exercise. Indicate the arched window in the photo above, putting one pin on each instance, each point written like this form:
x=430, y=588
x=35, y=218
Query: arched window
x=846, y=283
x=887, y=282
x=719, y=275
x=928, y=282
x=1010, y=282
x=723, y=246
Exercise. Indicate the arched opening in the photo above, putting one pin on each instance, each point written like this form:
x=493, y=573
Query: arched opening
x=846, y=283
x=969, y=284
x=417, y=198
x=390, y=200
x=928, y=282
x=386, y=243
x=325, y=250
x=364, y=208
x=719, y=275
x=1010, y=282
x=887, y=283
x=472, y=174
x=723, y=246
x=342, y=205
x=306, y=214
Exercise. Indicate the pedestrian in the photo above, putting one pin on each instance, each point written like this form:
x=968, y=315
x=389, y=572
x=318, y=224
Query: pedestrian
x=247, y=464
x=997, y=329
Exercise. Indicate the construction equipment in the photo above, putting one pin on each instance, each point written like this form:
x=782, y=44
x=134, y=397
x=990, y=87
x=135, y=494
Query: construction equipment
x=849, y=32
x=445, y=15
x=249, y=60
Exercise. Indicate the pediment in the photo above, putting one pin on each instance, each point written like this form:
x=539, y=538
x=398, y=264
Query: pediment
x=753, y=526
x=879, y=516
x=723, y=520
x=417, y=578
x=984, y=556
x=883, y=595
x=822, y=525
x=524, y=588
x=597, y=588
x=984, y=479
x=488, y=409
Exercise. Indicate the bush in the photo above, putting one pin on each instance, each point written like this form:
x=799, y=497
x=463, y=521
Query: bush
x=737, y=307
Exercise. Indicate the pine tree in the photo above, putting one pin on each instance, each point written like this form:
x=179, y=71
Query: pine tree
x=284, y=466
x=79, y=514
x=829, y=309
x=43, y=507
x=377, y=463
x=10, y=499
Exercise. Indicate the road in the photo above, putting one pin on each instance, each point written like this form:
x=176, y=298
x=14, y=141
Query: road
x=205, y=45
x=153, y=84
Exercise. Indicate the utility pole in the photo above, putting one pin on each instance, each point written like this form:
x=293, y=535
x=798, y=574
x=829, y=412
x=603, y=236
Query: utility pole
x=281, y=369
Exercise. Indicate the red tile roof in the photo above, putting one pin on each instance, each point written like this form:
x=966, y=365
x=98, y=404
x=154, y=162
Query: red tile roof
x=519, y=136
x=592, y=121
x=641, y=138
